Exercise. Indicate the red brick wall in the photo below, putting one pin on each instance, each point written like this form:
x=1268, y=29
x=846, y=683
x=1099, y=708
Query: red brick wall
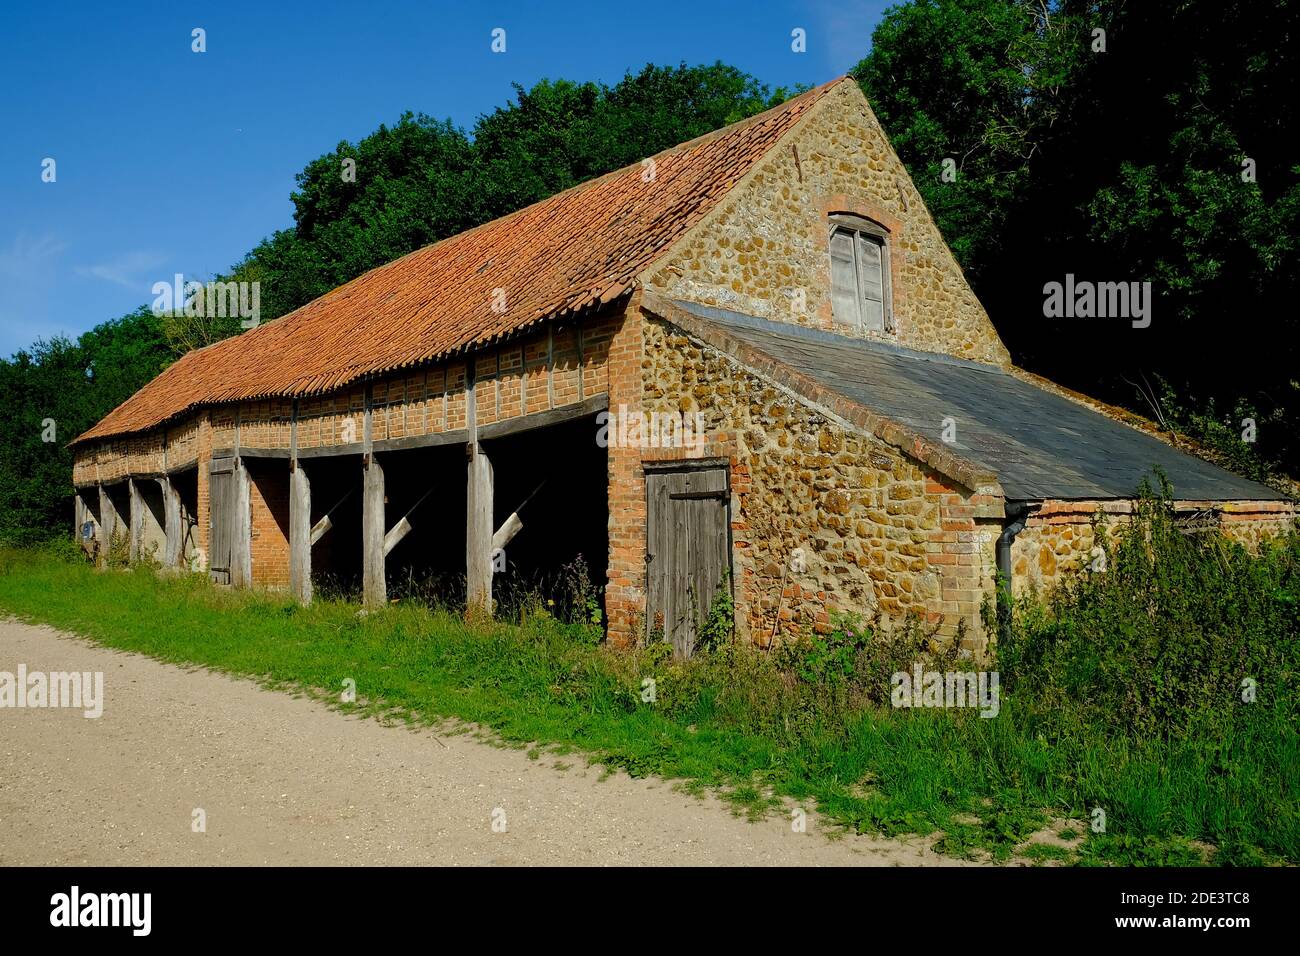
x=268, y=506
x=625, y=591
x=962, y=553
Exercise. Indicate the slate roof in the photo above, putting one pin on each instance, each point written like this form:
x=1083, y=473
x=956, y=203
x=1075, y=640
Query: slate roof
x=1039, y=444
x=562, y=256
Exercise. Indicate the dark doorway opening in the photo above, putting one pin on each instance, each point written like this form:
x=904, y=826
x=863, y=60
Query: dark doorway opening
x=119, y=500
x=336, y=492
x=556, y=479
x=186, y=485
x=426, y=486
x=153, y=536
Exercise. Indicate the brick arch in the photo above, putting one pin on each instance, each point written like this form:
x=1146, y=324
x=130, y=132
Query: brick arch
x=857, y=206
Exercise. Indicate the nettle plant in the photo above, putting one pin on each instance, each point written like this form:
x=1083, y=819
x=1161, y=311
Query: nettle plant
x=865, y=652
x=718, y=626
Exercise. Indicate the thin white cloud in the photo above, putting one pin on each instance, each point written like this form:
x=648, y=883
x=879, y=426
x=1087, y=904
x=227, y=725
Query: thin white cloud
x=29, y=281
x=127, y=270
x=29, y=257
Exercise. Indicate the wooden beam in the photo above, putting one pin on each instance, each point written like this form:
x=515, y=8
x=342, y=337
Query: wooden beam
x=554, y=416
x=260, y=452
x=319, y=529
x=511, y=527
x=514, y=524
x=106, y=521
x=241, y=544
x=550, y=365
x=396, y=534
x=478, y=510
x=172, y=529
x=403, y=527
x=325, y=451
x=136, y=518
x=300, y=529
x=457, y=437
x=577, y=333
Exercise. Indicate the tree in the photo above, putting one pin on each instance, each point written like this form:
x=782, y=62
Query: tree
x=1109, y=140
x=421, y=180
x=355, y=208
x=54, y=391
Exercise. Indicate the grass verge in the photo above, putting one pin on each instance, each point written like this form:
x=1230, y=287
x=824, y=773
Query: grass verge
x=764, y=730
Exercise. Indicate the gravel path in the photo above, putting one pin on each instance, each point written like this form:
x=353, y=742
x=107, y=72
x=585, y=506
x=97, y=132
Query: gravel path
x=285, y=780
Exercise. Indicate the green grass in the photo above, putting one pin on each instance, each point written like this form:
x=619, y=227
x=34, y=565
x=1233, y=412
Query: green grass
x=734, y=721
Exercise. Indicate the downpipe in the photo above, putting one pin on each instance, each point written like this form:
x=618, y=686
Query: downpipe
x=1017, y=513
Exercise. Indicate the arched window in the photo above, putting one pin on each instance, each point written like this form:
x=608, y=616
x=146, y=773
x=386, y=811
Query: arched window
x=860, y=288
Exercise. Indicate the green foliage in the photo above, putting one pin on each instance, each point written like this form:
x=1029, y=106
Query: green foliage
x=1164, y=638
x=974, y=81
x=422, y=179
x=1222, y=435
x=832, y=657
x=1190, y=775
x=117, y=556
x=72, y=385
x=865, y=654
x=1122, y=165
x=417, y=181
x=581, y=597
x=718, y=626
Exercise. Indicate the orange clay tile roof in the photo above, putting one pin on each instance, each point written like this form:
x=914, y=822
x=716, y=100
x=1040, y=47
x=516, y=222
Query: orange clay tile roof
x=574, y=251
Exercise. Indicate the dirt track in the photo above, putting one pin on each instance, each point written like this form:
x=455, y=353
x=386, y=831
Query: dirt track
x=284, y=780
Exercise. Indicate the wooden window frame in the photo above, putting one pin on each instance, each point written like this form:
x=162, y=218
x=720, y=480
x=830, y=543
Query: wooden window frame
x=861, y=227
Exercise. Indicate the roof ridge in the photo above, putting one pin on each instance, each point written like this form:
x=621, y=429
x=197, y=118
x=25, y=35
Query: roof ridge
x=430, y=303
x=700, y=140
x=827, y=336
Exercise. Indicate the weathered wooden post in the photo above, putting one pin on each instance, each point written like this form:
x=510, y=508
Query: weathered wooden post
x=241, y=544
x=172, y=529
x=107, y=527
x=136, y=518
x=374, y=582
x=300, y=532
x=478, y=530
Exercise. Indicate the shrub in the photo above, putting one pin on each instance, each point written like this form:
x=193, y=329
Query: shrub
x=1168, y=637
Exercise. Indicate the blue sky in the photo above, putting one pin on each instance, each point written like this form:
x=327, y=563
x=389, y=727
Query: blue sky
x=174, y=161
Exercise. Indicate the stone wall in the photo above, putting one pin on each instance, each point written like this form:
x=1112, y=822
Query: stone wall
x=764, y=250
x=824, y=518
x=1059, y=539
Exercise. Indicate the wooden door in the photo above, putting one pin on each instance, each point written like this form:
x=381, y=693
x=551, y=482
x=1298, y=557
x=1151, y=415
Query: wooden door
x=221, y=496
x=688, y=549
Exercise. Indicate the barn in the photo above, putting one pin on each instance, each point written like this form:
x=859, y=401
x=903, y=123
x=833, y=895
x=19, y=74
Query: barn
x=749, y=362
